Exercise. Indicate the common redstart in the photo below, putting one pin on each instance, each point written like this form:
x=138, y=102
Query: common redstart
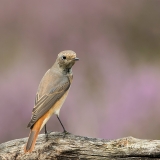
x=52, y=92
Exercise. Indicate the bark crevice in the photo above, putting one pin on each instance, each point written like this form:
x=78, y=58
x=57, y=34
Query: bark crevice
x=71, y=147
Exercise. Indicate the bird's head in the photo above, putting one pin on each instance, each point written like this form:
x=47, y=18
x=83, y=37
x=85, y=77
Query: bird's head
x=66, y=59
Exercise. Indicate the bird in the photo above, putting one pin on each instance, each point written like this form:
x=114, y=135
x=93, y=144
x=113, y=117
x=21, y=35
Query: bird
x=51, y=94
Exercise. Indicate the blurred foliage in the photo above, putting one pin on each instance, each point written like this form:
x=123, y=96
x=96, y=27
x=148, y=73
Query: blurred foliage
x=116, y=86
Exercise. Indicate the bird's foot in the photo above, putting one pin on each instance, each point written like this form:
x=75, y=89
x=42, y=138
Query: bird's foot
x=47, y=135
x=65, y=133
x=47, y=132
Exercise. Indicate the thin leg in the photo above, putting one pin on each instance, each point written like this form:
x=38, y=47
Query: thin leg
x=45, y=129
x=46, y=132
x=64, y=130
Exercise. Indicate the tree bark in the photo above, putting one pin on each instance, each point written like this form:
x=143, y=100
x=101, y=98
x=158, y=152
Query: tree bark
x=58, y=146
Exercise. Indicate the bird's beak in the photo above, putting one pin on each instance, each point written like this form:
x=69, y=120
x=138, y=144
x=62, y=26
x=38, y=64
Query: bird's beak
x=76, y=59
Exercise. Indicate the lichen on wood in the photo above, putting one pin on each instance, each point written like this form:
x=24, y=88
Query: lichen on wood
x=60, y=146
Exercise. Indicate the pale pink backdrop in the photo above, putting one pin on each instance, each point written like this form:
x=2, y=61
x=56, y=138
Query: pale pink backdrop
x=116, y=87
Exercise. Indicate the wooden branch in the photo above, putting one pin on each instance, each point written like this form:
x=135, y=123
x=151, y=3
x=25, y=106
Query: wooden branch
x=70, y=147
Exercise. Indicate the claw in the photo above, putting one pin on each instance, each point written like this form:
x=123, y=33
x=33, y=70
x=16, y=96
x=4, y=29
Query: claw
x=65, y=133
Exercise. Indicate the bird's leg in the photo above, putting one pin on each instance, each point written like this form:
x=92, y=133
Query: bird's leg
x=64, y=130
x=45, y=129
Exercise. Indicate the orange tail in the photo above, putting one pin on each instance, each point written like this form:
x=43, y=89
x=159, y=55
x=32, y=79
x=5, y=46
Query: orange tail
x=34, y=132
x=31, y=141
x=33, y=136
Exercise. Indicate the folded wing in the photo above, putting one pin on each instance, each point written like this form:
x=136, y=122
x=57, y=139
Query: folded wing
x=46, y=102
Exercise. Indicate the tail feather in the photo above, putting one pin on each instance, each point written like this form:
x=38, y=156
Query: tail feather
x=35, y=131
x=31, y=141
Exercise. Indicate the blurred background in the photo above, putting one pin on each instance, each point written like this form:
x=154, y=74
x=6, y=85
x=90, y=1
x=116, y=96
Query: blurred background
x=116, y=87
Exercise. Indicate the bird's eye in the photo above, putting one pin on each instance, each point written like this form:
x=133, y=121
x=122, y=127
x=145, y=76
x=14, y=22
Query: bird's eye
x=63, y=57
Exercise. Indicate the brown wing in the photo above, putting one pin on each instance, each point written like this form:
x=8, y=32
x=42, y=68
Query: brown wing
x=48, y=100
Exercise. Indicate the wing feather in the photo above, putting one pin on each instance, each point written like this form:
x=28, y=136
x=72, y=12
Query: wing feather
x=45, y=103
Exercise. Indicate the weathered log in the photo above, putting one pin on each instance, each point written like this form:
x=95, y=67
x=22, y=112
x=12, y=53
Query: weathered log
x=59, y=146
